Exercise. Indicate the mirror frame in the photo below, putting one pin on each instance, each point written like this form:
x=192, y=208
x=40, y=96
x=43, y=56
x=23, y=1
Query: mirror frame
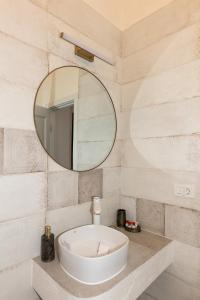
x=115, y=116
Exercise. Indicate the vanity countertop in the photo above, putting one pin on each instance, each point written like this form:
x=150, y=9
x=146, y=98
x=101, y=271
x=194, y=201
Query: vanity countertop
x=149, y=255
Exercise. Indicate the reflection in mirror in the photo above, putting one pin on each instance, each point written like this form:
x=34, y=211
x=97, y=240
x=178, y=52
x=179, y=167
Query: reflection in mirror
x=75, y=118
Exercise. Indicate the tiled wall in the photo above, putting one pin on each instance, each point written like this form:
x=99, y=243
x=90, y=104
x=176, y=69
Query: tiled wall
x=160, y=74
x=33, y=189
x=157, y=141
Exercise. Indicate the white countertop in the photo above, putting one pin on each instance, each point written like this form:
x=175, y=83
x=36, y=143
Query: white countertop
x=149, y=255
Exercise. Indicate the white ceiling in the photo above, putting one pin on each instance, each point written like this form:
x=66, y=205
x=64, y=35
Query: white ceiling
x=124, y=13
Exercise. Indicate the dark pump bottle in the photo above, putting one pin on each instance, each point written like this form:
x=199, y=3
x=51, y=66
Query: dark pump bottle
x=47, y=245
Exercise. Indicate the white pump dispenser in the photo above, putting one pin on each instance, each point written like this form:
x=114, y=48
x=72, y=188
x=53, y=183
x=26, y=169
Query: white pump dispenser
x=96, y=210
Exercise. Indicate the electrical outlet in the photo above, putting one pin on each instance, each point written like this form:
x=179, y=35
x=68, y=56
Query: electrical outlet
x=184, y=190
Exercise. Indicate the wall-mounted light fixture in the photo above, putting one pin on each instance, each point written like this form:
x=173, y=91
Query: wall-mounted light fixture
x=88, y=53
x=84, y=54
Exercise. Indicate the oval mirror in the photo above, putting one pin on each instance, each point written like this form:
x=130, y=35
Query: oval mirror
x=75, y=118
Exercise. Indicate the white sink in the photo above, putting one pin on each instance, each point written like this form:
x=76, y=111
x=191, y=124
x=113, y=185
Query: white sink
x=93, y=254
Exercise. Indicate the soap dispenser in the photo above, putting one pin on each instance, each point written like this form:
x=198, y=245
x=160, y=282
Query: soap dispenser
x=47, y=245
x=96, y=210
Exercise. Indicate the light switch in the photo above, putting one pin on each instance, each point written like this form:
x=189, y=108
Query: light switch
x=184, y=190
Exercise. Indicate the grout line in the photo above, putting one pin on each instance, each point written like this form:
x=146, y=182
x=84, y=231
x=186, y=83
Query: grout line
x=21, y=174
x=164, y=170
x=165, y=204
x=164, y=233
x=18, y=84
x=157, y=74
x=40, y=6
x=197, y=60
x=167, y=36
x=22, y=41
x=153, y=298
x=14, y=266
x=28, y=216
x=192, y=134
x=180, y=101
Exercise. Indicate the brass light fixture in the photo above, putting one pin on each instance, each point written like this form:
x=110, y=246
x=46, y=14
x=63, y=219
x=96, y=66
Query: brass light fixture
x=86, y=52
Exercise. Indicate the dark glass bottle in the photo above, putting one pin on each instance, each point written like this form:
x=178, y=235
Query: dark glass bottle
x=121, y=217
x=47, y=245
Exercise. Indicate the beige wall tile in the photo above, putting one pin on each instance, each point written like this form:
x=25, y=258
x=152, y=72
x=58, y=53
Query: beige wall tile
x=165, y=21
x=130, y=92
x=158, y=185
x=151, y=215
x=169, y=287
x=194, y=11
x=15, y=283
x=94, y=25
x=29, y=23
x=66, y=218
x=171, y=86
x=109, y=208
x=123, y=129
x=186, y=264
x=129, y=204
x=167, y=154
x=21, y=63
x=171, y=52
x=62, y=189
x=183, y=225
x=23, y=152
x=111, y=183
x=144, y=296
x=25, y=191
x=179, y=153
x=20, y=239
x=90, y=184
x=166, y=119
x=41, y=3
x=133, y=156
x=16, y=102
x=1, y=149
